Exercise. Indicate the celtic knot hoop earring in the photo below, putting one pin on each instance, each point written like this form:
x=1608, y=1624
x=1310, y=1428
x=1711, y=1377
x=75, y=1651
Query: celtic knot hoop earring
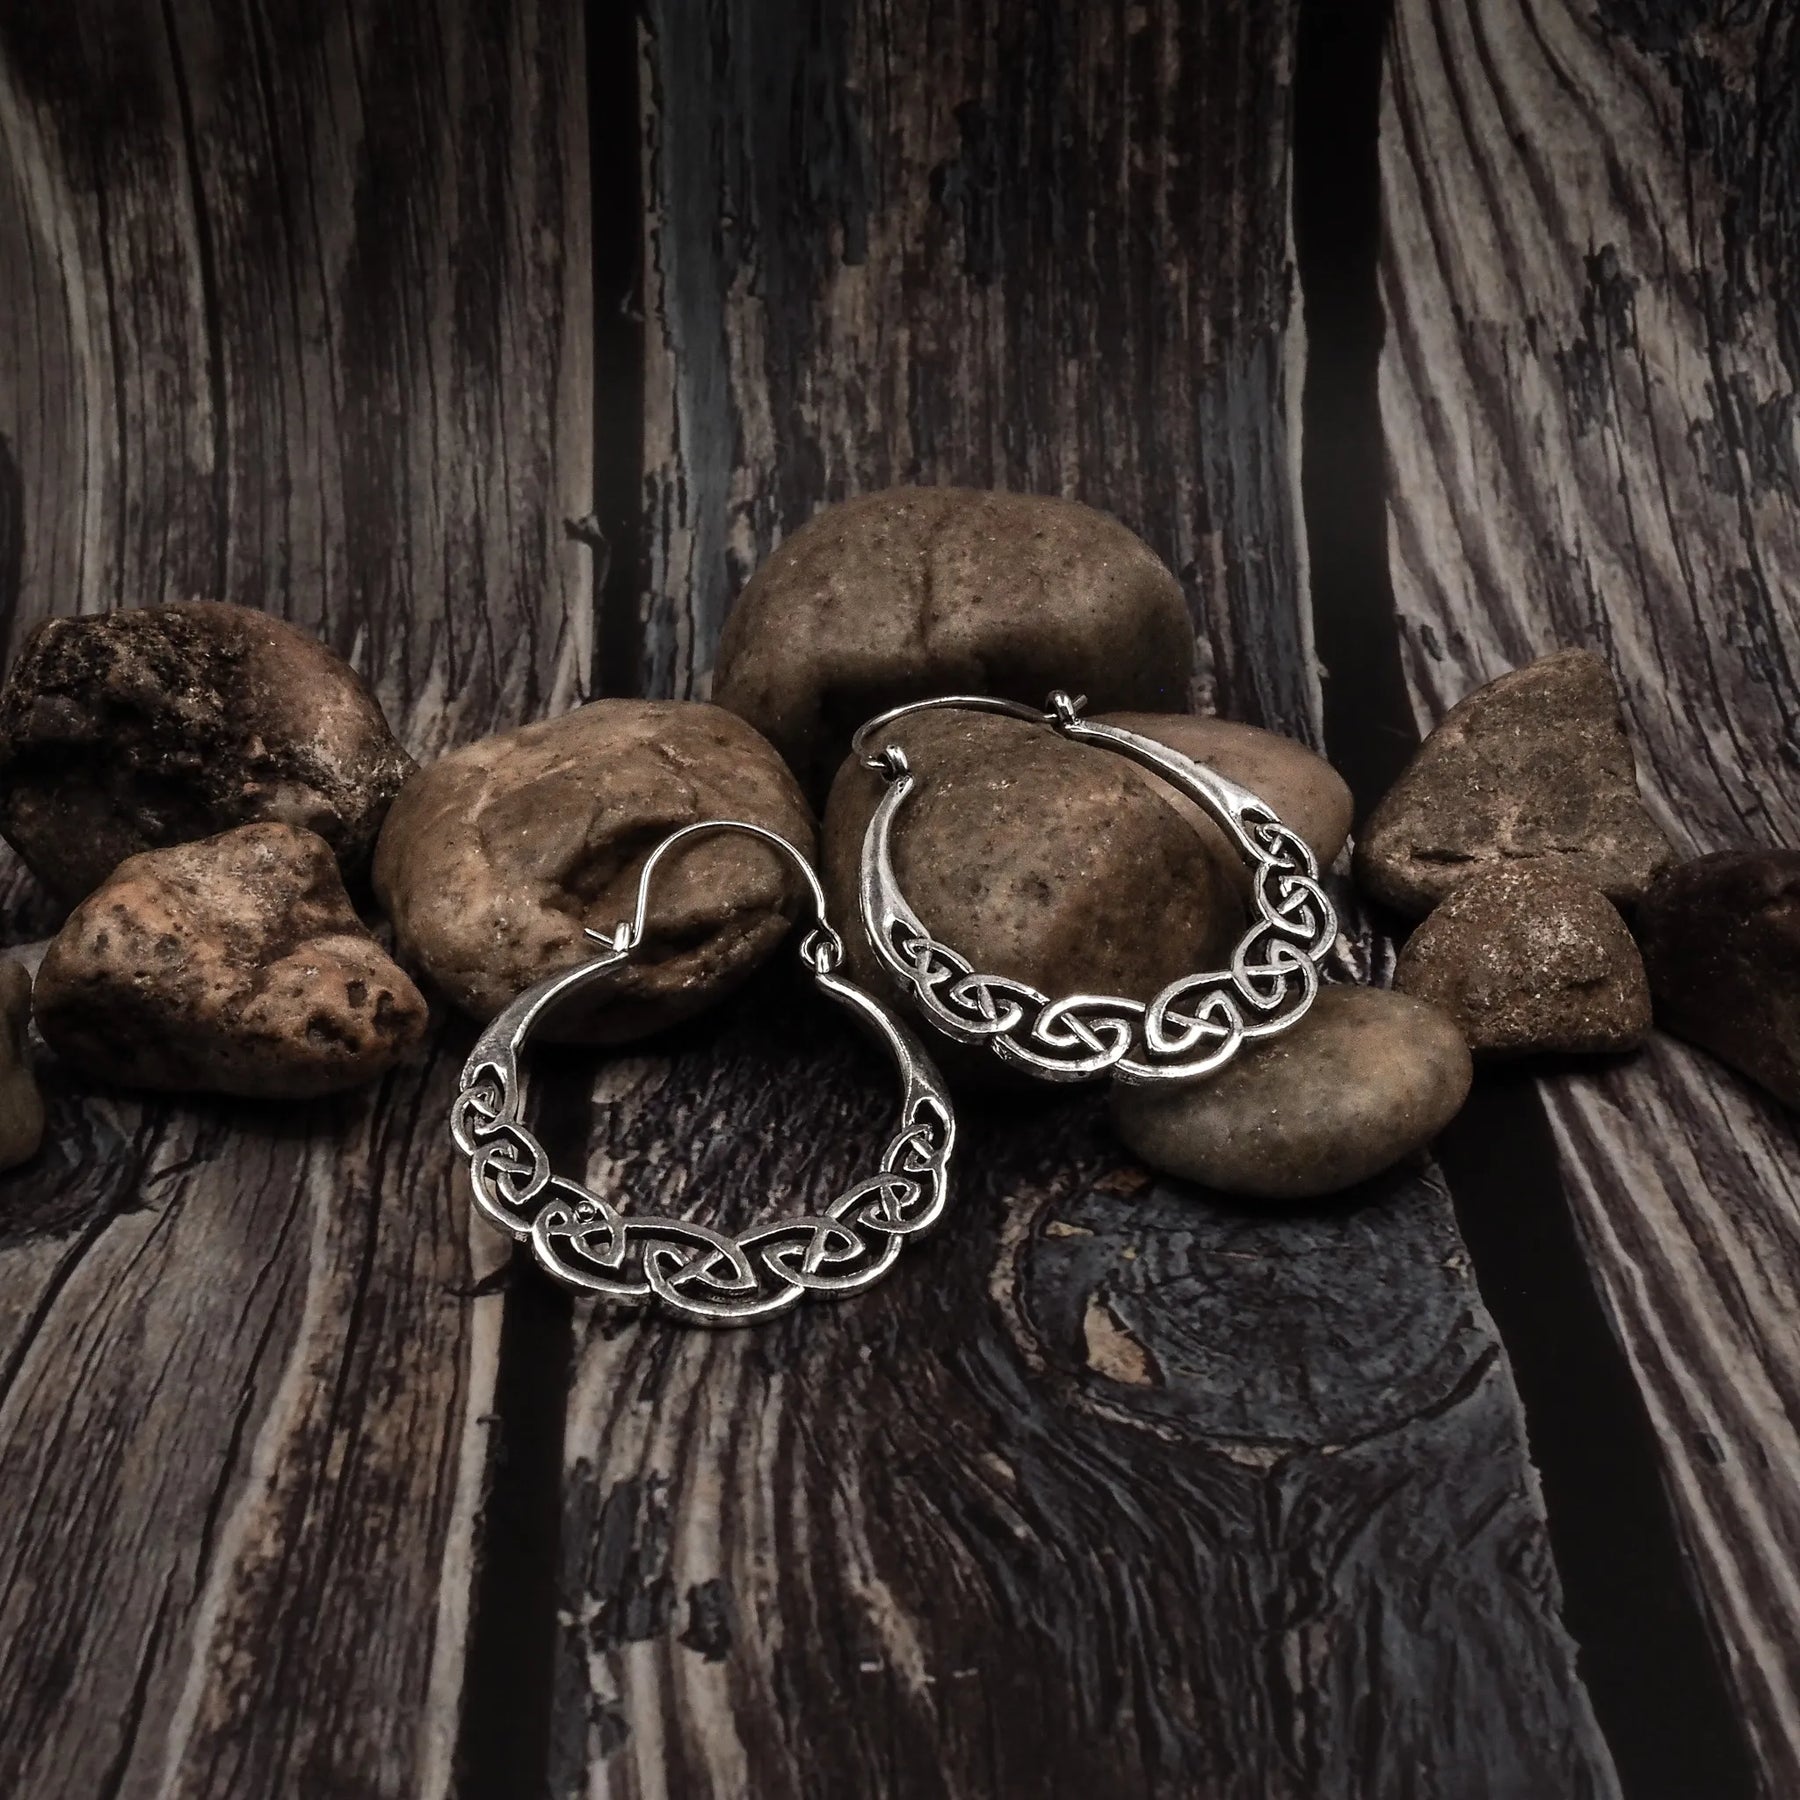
x=699, y=1274
x=1195, y=1025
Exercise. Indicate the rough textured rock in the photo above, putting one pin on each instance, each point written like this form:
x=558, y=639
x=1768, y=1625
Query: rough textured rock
x=235, y=965
x=1366, y=1078
x=495, y=858
x=1045, y=861
x=21, y=1105
x=1721, y=942
x=1524, y=959
x=917, y=591
x=1306, y=792
x=127, y=731
x=1534, y=767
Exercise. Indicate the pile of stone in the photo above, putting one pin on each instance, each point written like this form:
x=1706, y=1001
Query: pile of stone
x=1557, y=916
x=220, y=801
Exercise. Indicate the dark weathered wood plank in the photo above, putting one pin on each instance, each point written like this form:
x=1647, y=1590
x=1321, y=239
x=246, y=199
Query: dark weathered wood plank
x=296, y=315
x=1588, y=396
x=831, y=311
x=1113, y=1488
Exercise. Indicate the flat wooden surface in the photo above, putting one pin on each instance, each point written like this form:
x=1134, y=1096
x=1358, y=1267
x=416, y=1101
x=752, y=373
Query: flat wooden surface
x=297, y=315
x=498, y=344
x=1587, y=398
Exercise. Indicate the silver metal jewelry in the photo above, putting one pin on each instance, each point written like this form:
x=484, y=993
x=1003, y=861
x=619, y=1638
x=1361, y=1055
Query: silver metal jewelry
x=699, y=1274
x=1195, y=1025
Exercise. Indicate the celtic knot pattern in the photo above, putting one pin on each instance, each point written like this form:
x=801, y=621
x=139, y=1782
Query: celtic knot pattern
x=585, y=1240
x=701, y=1274
x=1196, y=1024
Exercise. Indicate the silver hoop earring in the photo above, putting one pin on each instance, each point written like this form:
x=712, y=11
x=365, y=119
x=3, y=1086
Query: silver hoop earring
x=1190, y=1029
x=699, y=1274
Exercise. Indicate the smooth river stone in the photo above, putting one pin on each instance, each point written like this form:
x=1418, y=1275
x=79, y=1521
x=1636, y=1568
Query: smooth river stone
x=1525, y=960
x=235, y=965
x=130, y=731
x=1721, y=941
x=1048, y=862
x=1366, y=1078
x=1535, y=767
x=911, y=592
x=494, y=858
x=21, y=1105
x=1304, y=790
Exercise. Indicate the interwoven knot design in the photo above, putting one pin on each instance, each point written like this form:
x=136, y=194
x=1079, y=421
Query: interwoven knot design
x=701, y=1274
x=583, y=1239
x=1196, y=1024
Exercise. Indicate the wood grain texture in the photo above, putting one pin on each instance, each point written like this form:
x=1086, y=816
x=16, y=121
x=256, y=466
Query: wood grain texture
x=297, y=316
x=1111, y=1489
x=1588, y=395
x=842, y=204
x=300, y=320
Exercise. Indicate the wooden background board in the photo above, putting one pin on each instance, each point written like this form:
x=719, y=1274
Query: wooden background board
x=1044, y=1514
x=1588, y=395
x=1114, y=1487
x=296, y=315
x=955, y=244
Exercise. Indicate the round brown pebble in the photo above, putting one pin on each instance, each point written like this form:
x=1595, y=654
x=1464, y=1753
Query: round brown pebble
x=128, y=731
x=495, y=858
x=918, y=591
x=21, y=1105
x=1533, y=767
x=1721, y=939
x=235, y=965
x=1047, y=862
x=1366, y=1078
x=1307, y=793
x=1524, y=960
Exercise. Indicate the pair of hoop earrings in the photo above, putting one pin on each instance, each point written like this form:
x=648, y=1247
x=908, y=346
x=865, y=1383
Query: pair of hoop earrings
x=704, y=1276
